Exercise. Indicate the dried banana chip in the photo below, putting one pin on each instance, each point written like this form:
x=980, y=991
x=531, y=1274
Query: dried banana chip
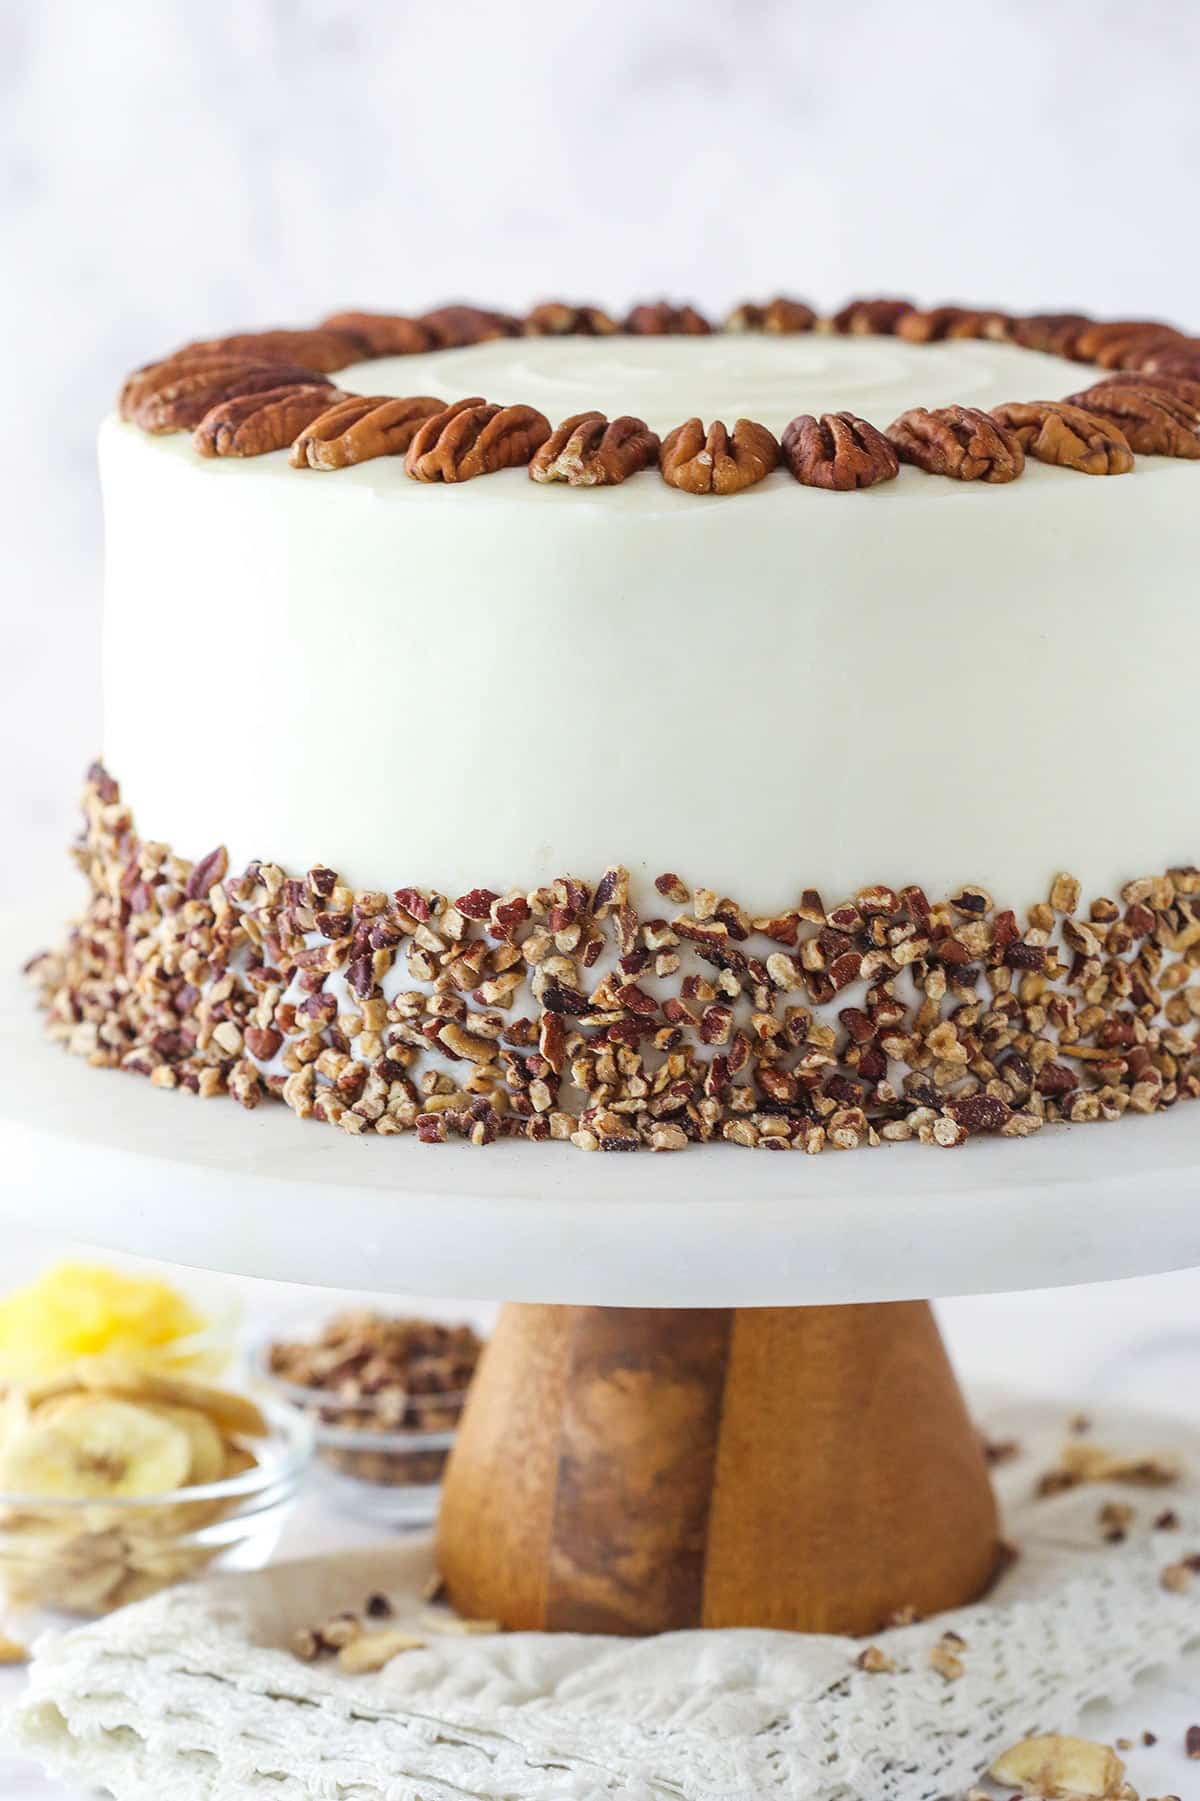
x=94, y=1445
x=233, y=1413
x=1055, y=1768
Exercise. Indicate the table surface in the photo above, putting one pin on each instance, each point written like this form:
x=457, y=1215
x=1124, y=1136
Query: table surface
x=1134, y=1343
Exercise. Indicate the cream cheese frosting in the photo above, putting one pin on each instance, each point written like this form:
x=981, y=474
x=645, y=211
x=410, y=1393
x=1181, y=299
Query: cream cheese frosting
x=499, y=682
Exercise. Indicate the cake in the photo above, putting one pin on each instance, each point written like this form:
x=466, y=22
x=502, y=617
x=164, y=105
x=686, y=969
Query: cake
x=802, y=759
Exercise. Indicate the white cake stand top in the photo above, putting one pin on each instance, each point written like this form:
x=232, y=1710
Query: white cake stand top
x=106, y=1158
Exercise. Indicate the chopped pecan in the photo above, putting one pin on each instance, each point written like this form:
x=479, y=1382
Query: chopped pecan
x=453, y=326
x=958, y=441
x=383, y=334
x=1054, y=432
x=249, y=425
x=320, y=350
x=871, y=318
x=931, y=324
x=1054, y=333
x=590, y=452
x=360, y=427
x=778, y=315
x=205, y=874
x=1155, y=422
x=717, y=461
x=555, y=319
x=474, y=438
x=660, y=319
x=175, y=395
x=978, y=1112
x=838, y=451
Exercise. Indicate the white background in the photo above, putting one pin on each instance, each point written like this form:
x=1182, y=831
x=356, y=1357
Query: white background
x=169, y=168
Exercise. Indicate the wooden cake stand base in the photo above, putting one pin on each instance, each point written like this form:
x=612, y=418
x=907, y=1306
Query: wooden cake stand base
x=638, y=1470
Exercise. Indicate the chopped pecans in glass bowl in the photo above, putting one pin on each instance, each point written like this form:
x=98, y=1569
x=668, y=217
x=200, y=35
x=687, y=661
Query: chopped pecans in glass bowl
x=385, y=1395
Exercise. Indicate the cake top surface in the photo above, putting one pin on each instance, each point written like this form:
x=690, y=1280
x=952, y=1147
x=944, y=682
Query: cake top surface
x=728, y=376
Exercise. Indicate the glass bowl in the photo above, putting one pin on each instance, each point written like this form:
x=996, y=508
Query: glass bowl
x=367, y=1463
x=92, y=1556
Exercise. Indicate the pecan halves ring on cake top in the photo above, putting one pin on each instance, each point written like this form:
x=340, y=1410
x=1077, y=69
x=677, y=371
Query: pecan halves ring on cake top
x=838, y=451
x=659, y=319
x=778, y=315
x=383, y=334
x=589, y=451
x=1054, y=432
x=557, y=319
x=959, y=441
x=175, y=395
x=472, y=438
x=1154, y=421
x=360, y=427
x=717, y=461
x=870, y=318
x=250, y=425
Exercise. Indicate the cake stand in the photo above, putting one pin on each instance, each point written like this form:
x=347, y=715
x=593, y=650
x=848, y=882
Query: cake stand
x=718, y=1395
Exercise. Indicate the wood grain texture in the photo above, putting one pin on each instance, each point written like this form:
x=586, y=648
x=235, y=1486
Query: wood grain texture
x=850, y=1480
x=637, y=1452
x=503, y=1472
x=638, y=1470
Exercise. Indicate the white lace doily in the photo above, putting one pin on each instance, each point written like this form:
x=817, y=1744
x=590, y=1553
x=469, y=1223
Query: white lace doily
x=194, y=1696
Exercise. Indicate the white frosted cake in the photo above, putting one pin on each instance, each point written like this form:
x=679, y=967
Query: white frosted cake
x=672, y=795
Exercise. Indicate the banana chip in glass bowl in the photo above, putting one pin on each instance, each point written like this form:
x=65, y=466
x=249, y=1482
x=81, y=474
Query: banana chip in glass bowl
x=116, y=1481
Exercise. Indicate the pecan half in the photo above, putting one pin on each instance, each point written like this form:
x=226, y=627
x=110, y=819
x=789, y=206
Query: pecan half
x=1187, y=388
x=176, y=394
x=1155, y=422
x=717, y=461
x=555, y=319
x=779, y=315
x=870, y=318
x=931, y=325
x=1181, y=356
x=659, y=319
x=1053, y=333
x=320, y=350
x=838, y=451
x=958, y=441
x=590, y=452
x=474, y=438
x=383, y=334
x=361, y=427
x=453, y=326
x=1054, y=432
x=1108, y=342
x=249, y=425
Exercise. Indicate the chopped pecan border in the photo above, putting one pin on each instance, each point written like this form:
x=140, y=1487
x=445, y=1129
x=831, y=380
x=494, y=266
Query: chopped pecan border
x=567, y=1013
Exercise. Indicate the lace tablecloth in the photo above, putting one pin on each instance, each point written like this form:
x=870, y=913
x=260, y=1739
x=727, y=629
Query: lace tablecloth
x=196, y=1696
